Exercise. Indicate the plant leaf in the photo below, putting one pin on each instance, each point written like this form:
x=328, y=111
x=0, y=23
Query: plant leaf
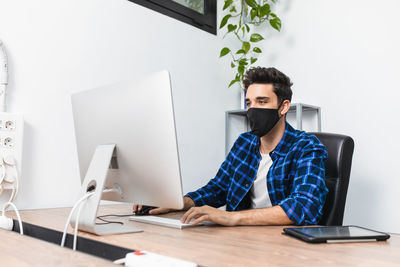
x=246, y=47
x=224, y=51
x=232, y=82
x=241, y=69
x=253, y=14
x=227, y=4
x=276, y=24
x=233, y=65
x=257, y=50
x=259, y=11
x=224, y=20
x=255, y=37
x=265, y=10
x=252, y=60
x=247, y=27
x=251, y=3
x=240, y=51
x=231, y=27
x=233, y=9
x=243, y=61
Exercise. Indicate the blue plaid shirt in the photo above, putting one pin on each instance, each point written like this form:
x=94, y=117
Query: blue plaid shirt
x=295, y=181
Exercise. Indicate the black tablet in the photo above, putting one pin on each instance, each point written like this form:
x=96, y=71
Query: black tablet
x=331, y=234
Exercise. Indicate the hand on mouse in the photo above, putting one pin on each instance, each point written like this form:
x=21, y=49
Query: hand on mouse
x=151, y=212
x=188, y=203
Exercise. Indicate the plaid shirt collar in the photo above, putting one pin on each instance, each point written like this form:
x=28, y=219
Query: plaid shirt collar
x=283, y=146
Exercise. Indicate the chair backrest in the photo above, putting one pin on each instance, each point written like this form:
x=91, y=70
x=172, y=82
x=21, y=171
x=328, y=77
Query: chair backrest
x=337, y=174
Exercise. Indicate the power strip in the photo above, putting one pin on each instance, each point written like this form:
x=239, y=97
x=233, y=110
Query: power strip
x=145, y=258
x=11, y=138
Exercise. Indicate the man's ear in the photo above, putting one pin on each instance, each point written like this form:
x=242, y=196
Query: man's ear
x=285, y=107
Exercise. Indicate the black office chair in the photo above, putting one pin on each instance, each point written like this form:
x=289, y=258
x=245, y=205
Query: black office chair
x=337, y=173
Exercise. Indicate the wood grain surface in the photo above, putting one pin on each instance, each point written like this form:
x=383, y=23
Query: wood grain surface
x=206, y=245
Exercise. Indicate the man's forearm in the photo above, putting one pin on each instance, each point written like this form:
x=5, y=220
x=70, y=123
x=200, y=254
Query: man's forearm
x=268, y=216
x=188, y=203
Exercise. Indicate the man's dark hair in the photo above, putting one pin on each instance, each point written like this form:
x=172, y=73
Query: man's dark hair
x=280, y=81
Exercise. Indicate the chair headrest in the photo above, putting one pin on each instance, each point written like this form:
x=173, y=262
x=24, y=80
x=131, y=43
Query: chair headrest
x=340, y=148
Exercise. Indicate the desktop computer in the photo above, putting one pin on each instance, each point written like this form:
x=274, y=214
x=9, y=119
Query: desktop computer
x=127, y=147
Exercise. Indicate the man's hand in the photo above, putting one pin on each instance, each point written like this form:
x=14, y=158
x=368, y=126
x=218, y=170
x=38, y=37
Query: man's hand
x=153, y=211
x=188, y=203
x=207, y=213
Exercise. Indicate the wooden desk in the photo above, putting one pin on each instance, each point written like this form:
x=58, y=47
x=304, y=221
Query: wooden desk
x=207, y=246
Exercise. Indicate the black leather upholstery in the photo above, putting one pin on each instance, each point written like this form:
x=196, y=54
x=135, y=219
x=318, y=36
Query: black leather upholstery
x=337, y=173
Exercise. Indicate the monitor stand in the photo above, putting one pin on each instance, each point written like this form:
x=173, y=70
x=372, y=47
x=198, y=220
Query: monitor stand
x=96, y=176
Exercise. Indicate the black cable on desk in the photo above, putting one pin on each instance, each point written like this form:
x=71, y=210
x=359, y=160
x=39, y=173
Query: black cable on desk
x=112, y=215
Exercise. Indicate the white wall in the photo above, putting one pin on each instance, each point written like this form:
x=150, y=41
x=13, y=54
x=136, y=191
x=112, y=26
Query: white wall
x=64, y=46
x=344, y=56
x=341, y=55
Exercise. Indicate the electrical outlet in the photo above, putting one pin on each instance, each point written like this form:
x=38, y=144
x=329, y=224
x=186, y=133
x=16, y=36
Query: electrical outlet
x=11, y=137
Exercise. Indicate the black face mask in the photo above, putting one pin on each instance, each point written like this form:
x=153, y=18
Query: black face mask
x=262, y=120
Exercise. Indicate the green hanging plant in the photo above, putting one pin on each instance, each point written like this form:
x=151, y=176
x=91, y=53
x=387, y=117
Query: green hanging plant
x=242, y=14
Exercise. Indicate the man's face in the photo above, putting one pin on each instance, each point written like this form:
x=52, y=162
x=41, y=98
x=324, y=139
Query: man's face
x=261, y=95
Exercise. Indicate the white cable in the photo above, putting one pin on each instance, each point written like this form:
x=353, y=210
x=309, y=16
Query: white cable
x=70, y=216
x=21, y=231
x=10, y=161
x=13, y=195
x=2, y=176
x=78, y=215
x=77, y=225
x=3, y=90
x=15, y=189
x=16, y=181
x=3, y=77
x=3, y=172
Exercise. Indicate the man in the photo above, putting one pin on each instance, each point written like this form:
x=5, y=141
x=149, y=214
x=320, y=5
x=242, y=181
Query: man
x=273, y=175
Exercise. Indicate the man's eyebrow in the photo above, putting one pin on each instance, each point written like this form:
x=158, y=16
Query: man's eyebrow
x=259, y=98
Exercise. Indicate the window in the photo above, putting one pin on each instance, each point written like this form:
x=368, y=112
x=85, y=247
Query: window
x=196, y=5
x=199, y=13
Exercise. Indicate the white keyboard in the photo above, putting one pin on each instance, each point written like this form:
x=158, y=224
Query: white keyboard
x=174, y=223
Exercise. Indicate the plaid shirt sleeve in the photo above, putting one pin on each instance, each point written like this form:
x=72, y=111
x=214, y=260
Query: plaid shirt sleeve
x=308, y=192
x=215, y=191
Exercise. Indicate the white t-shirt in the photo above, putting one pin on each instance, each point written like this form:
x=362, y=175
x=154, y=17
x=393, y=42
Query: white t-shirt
x=259, y=191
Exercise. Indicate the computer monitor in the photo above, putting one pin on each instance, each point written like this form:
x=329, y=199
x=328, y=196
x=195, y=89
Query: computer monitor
x=126, y=141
